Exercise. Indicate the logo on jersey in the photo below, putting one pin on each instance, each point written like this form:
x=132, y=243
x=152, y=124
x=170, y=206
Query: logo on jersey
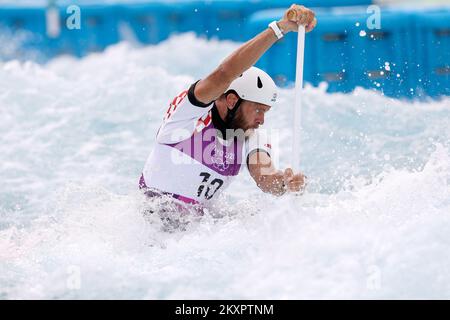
x=274, y=98
x=221, y=160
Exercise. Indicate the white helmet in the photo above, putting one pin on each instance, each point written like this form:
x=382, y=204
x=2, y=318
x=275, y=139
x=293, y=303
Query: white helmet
x=255, y=85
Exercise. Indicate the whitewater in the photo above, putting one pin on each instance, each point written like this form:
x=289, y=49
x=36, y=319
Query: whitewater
x=373, y=223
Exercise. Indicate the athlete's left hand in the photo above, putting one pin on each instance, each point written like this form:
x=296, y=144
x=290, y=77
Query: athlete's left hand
x=294, y=182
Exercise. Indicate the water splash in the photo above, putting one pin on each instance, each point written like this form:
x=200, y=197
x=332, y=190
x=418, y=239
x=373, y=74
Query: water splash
x=75, y=134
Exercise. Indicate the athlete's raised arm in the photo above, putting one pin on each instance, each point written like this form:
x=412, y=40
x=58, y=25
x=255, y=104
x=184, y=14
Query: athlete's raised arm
x=248, y=54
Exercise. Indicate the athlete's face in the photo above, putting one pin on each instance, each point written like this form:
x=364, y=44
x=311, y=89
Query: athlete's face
x=250, y=115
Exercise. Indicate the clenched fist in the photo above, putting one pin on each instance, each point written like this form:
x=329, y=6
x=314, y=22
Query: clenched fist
x=294, y=182
x=297, y=15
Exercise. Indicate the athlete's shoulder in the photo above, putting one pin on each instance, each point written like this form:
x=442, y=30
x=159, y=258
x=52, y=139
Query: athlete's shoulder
x=193, y=99
x=259, y=140
x=186, y=105
x=184, y=116
x=174, y=104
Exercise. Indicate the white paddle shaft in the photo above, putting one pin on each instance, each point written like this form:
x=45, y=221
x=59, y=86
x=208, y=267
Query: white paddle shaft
x=298, y=99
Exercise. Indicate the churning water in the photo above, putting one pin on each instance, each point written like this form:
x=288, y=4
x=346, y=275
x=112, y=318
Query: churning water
x=74, y=136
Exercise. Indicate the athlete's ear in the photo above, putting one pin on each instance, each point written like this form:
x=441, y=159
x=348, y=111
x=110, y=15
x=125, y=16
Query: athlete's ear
x=231, y=99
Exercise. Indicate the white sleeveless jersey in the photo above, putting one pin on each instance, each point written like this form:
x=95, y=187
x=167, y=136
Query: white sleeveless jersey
x=190, y=160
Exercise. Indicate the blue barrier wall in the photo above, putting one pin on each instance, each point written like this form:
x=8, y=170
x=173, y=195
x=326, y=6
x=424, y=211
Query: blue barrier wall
x=99, y=29
x=433, y=52
x=408, y=57
x=224, y=19
x=150, y=22
x=25, y=21
x=228, y=17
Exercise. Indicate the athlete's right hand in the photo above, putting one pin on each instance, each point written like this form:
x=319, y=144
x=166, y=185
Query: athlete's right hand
x=294, y=182
x=297, y=15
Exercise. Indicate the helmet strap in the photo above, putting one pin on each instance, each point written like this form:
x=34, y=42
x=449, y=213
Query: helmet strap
x=232, y=112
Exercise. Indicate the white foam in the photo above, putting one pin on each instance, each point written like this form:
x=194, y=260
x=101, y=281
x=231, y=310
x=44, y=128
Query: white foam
x=75, y=135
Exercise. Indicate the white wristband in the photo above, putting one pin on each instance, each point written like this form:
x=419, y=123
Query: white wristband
x=274, y=26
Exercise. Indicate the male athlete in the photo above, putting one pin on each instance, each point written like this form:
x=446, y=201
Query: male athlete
x=211, y=129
